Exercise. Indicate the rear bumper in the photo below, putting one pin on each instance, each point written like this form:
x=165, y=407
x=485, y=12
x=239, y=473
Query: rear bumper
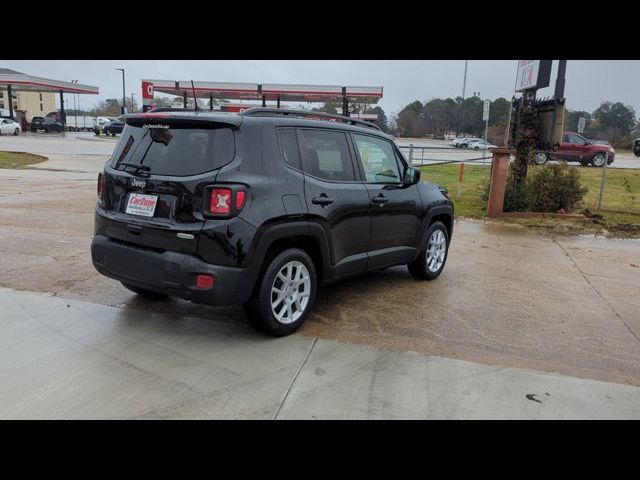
x=170, y=273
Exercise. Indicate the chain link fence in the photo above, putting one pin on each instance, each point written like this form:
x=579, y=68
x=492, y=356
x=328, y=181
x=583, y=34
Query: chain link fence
x=611, y=177
x=420, y=155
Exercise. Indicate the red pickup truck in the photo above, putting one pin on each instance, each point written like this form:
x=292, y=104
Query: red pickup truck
x=575, y=148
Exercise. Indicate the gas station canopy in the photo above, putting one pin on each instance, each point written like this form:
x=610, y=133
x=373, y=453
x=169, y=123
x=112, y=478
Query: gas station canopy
x=265, y=91
x=13, y=80
x=24, y=82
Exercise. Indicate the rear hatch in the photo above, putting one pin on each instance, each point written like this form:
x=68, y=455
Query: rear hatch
x=153, y=184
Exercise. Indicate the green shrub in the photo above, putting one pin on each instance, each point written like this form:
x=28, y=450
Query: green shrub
x=547, y=189
x=554, y=187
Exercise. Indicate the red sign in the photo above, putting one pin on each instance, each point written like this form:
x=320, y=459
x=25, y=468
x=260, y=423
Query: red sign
x=147, y=90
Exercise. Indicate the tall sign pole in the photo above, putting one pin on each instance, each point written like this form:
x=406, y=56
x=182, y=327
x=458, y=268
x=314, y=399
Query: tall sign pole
x=485, y=117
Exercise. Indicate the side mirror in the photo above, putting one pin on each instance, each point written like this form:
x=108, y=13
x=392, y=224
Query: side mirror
x=411, y=176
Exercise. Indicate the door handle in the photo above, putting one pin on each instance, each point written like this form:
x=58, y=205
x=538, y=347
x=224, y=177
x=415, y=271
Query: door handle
x=380, y=199
x=322, y=200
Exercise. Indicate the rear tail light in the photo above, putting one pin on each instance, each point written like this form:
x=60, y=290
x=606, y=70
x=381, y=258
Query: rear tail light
x=220, y=201
x=240, y=197
x=100, y=186
x=224, y=200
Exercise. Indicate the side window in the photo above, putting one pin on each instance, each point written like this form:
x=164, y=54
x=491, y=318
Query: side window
x=565, y=138
x=289, y=146
x=378, y=159
x=325, y=154
x=576, y=139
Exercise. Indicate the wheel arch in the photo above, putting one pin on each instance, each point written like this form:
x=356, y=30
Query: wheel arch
x=307, y=236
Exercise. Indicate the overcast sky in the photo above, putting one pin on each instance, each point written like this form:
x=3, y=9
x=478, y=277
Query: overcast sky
x=589, y=82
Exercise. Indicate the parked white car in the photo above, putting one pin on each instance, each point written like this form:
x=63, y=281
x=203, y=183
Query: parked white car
x=456, y=142
x=480, y=145
x=9, y=127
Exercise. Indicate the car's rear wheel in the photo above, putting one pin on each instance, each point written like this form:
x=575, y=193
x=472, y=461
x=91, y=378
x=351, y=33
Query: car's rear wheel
x=143, y=292
x=598, y=160
x=285, y=295
x=540, y=158
x=16, y=132
x=433, y=256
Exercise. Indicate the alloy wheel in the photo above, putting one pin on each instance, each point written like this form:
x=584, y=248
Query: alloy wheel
x=290, y=292
x=436, y=250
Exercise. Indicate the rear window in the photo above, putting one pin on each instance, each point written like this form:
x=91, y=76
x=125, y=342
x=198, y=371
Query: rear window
x=175, y=150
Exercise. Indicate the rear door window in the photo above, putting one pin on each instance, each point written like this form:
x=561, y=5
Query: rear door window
x=175, y=150
x=325, y=155
x=288, y=141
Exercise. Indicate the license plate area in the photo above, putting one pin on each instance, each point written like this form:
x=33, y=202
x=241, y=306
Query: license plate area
x=141, y=204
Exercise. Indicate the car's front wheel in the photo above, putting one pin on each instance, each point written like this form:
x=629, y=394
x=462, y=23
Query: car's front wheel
x=598, y=160
x=16, y=132
x=433, y=256
x=540, y=158
x=285, y=295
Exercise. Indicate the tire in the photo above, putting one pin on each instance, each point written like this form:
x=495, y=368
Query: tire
x=144, y=292
x=261, y=309
x=540, y=158
x=421, y=267
x=16, y=132
x=598, y=160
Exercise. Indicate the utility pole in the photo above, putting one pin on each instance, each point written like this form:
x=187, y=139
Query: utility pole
x=124, y=95
x=132, y=104
x=464, y=89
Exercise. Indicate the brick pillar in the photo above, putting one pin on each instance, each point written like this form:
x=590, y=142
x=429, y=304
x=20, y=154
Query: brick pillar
x=499, y=169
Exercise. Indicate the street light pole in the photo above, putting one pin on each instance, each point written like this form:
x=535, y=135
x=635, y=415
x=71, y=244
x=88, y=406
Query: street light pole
x=464, y=89
x=132, y=109
x=124, y=95
x=75, y=108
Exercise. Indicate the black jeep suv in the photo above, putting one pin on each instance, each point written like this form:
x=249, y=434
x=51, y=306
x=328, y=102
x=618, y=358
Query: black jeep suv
x=261, y=208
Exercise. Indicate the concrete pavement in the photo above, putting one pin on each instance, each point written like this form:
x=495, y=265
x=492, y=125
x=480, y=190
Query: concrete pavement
x=66, y=359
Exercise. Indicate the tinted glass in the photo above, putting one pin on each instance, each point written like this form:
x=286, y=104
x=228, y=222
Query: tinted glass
x=289, y=146
x=377, y=158
x=325, y=155
x=176, y=151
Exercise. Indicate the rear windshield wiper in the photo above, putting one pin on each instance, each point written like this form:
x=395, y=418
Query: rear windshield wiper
x=137, y=166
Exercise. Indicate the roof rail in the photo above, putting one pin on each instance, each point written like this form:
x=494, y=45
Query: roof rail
x=169, y=109
x=267, y=112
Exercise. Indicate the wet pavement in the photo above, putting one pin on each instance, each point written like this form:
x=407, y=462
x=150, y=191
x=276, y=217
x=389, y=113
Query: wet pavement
x=65, y=359
x=510, y=298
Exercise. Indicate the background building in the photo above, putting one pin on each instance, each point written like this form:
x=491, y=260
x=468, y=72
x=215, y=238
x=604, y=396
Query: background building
x=32, y=104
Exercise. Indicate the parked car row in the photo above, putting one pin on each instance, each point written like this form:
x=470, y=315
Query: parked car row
x=471, y=142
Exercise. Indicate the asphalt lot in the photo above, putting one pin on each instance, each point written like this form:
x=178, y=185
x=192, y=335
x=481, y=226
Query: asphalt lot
x=516, y=313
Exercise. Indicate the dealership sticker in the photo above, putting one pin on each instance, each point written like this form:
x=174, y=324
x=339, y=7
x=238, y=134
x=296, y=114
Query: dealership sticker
x=144, y=205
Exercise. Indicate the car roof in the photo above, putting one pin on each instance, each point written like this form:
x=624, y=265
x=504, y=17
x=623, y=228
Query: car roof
x=199, y=115
x=237, y=120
